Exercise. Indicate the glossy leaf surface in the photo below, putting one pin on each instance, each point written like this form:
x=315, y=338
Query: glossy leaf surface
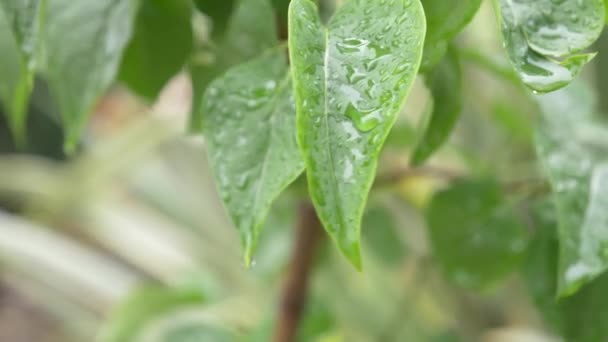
x=573, y=149
x=350, y=80
x=251, y=127
x=475, y=234
x=17, y=80
x=160, y=46
x=91, y=35
x=251, y=30
x=445, y=83
x=541, y=37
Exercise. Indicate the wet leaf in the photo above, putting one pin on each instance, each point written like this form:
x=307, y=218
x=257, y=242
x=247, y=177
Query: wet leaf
x=475, y=233
x=350, y=80
x=251, y=31
x=445, y=83
x=82, y=63
x=160, y=46
x=573, y=149
x=541, y=37
x=17, y=81
x=252, y=142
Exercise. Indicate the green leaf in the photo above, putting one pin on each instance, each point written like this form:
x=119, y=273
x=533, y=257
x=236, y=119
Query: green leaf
x=24, y=17
x=444, y=20
x=475, y=234
x=84, y=41
x=144, y=306
x=17, y=81
x=350, y=80
x=541, y=37
x=445, y=83
x=251, y=127
x=251, y=31
x=218, y=11
x=573, y=149
x=160, y=46
x=381, y=237
x=580, y=317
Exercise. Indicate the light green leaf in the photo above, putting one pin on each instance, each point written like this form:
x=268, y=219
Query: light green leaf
x=161, y=44
x=475, y=234
x=251, y=31
x=444, y=20
x=351, y=79
x=445, y=83
x=251, y=127
x=24, y=17
x=573, y=149
x=84, y=41
x=541, y=37
x=17, y=81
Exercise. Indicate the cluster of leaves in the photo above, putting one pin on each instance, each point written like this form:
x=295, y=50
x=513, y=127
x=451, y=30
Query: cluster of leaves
x=325, y=102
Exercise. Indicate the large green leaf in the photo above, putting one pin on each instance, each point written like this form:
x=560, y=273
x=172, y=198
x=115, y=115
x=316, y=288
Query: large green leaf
x=251, y=30
x=580, y=317
x=161, y=44
x=84, y=41
x=251, y=127
x=444, y=20
x=444, y=82
x=350, y=79
x=541, y=35
x=24, y=17
x=475, y=233
x=573, y=148
x=17, y=80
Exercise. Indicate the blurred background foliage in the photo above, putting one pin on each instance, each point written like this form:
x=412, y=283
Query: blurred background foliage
x=128, y=241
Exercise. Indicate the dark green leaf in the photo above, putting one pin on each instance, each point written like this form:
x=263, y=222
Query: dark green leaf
x=251, y=30
x=445, y=83
x=17, y=81
x=541, y=35
x=161, y=44
x=573, y=149
x=84, y=41
x=219, y=11
x=475, y=234
x=580, y=317
x=252, y=139
x=350, y=80
x=144, y=306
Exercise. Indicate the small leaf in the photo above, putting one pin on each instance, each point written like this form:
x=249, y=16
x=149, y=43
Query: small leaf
x=573, y=149
x=381, y=237
x=218, y=11
x=252, y=142
x=445, y=83
x=251, y=31
x=541, y=37
x=475, y=234
x=160, y=46
x=350, y=80
x=17, y=82
x=84, y=41
x=444, y=20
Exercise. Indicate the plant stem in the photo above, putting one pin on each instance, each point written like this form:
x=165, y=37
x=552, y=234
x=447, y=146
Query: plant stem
x=293, y=298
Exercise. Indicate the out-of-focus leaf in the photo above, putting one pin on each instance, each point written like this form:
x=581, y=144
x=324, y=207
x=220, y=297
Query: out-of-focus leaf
x=251, y=126
x=219, y=11
x=445, y=83
x=24, y=17
x=350, y=80
x=251, y=31
x=380, y=235
x=144, y=306
x=475, y=234
x=444, y=20
x=84, y=42
x=161, y=44
x=579, y=317
x=573, y=148
x=17, y=81
x=541, y=35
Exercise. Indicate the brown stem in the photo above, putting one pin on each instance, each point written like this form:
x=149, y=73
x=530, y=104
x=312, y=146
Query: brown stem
x=293, y=298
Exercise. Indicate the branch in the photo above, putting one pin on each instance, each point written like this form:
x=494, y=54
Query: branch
x=293, y=299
